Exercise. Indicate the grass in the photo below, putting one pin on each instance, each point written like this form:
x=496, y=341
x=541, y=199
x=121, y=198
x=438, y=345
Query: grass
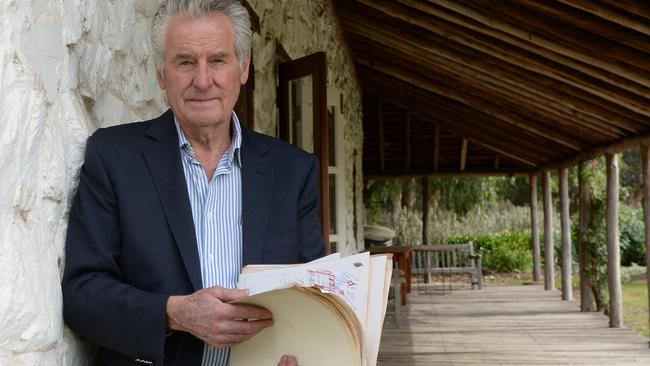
x=635, y=307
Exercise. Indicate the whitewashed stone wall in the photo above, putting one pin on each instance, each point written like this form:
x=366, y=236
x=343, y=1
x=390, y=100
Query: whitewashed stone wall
x=66, y=68
x=304, y=27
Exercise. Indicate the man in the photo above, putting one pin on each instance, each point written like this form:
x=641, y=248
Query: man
x=169, y=210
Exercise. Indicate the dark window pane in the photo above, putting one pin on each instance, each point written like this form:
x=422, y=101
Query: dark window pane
x=332, y=188
x=331, y=133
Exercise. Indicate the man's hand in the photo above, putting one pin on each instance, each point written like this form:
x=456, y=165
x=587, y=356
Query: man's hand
x=287, y=360
x=206, y=315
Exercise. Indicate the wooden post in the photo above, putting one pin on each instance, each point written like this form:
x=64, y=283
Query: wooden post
x=436, y=148
x=426, y=198
x=407, y=151
x=613, y=247
x=549, y=255
x=380, y=127
x=586, y=296
x=463, y=155
x=426, y=240
x=533, y=227
x=567, y=261
x=645, y=159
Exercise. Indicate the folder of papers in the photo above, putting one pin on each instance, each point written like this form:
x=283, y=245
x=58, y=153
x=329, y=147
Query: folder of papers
x=325, y=312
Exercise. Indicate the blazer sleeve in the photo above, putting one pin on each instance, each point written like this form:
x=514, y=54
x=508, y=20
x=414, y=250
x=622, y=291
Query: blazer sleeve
x=310, y=238
x=96, y=302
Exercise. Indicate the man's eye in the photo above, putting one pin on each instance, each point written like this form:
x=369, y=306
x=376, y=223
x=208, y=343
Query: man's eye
x=185, y=63
x=217, y=61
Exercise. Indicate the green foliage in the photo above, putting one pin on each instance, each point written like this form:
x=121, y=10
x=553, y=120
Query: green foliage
x=628, y=272
x=504, y=252
x=492, y=218
x=461, y=194
x=408, y=227
x=514, y=189
x=631, y=234
x=382, y=194
x=384, y=208
x=595, y=238
x=631, y=175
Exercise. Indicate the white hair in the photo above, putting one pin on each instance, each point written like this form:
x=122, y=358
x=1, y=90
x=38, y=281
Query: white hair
x=232, y=9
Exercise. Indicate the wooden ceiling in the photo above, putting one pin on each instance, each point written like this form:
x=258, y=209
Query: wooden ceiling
x=497, y=86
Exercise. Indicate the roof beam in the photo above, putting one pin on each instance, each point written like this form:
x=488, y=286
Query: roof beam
x=507, y=31
x=639, y=8
x=456, y=119
x=610, y=14
x=496, y=141
x=469, y=100
x=540, y=110
x=520, y=52
x=564, y=38
x=499, y=173
x=563, y=102
x=574, y=17
x=598, y=151
x=459, y=118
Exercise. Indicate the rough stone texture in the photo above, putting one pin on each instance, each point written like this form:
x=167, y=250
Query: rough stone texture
x=303, y=30
x=61, y=77
x=68, y=67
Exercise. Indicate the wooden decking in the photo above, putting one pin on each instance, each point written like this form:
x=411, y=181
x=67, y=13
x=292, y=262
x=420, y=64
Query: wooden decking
x=514, y=325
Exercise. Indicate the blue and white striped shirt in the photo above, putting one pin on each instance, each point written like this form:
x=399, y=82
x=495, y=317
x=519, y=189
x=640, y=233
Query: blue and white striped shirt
x=216, y=210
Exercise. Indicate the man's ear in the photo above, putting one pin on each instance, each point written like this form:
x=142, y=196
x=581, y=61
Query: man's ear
x=160, y=77
x=243, y=77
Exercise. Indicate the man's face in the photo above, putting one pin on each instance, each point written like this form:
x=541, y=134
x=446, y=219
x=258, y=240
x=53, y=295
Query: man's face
x=201, y=74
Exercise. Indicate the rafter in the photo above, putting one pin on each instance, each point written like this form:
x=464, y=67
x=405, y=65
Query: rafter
x=519, y=52
x=596, y=113
x=470, y=100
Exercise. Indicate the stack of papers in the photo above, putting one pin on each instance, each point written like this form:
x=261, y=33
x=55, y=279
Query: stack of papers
x=325, y=312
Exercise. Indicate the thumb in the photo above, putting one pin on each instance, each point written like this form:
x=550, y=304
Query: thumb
x=228, y=294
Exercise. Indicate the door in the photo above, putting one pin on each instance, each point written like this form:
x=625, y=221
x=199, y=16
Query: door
x=302, y=93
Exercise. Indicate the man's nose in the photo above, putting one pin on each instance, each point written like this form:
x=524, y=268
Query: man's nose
x=202, y=77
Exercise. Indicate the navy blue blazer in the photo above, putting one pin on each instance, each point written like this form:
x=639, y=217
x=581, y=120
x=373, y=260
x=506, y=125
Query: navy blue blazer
x=131, y=241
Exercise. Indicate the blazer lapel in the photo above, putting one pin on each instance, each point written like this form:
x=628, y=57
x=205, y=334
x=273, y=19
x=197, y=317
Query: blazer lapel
x=162, y=154
x=257, y=189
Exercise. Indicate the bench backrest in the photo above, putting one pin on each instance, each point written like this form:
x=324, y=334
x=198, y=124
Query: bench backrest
x=452, y=256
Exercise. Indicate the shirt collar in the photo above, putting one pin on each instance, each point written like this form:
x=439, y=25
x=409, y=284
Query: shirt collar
x=233, y=151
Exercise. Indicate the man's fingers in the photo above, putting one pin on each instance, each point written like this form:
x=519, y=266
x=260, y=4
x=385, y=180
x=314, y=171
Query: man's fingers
x=288, y=360
x=227, y=294
x=246, y=327
x=229, y=340
x=238, y=311
x=248, y=312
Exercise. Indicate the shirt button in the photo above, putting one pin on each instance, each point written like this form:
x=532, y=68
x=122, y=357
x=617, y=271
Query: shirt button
x=211, y=258
x=209, y=215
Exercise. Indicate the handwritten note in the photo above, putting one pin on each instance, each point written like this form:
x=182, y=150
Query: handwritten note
x=347, y=277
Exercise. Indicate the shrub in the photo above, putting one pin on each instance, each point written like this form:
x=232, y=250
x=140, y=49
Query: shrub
x=408, y=227
x=494, y=217
x=628, y=272
x=631, y=235
x=505, y=252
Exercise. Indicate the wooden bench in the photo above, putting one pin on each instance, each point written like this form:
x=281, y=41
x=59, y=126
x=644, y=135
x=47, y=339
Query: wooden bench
x=447, y=259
